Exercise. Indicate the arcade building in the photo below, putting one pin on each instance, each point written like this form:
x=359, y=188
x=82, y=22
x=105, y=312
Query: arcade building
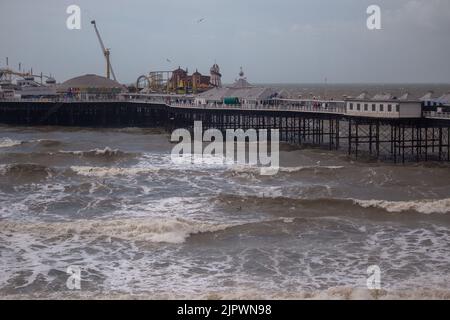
x=181, y=82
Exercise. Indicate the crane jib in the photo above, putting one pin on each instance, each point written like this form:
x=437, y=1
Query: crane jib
x=106, y=52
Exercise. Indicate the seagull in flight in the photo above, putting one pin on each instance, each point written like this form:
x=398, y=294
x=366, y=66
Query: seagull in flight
x=200, y=20
x=168, y=60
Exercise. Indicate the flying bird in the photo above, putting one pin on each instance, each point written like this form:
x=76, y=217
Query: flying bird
x=168, y=60
x=200, y=20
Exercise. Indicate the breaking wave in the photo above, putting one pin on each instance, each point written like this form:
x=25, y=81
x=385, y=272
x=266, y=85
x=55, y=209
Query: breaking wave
x=438, y=206
x=46, y=143
x=315, y=169
x=308, y=168
x=105, y=153
x=7, y=143
x=420, y=206
x=159, y=230
x=110, y=171
x=98, y=171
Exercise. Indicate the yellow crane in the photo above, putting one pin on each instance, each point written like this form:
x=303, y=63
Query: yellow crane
x=106, y=52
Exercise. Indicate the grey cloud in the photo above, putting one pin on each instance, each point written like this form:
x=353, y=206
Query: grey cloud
x=275, y=40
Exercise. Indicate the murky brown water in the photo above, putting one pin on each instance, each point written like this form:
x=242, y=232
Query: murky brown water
x=139, y=225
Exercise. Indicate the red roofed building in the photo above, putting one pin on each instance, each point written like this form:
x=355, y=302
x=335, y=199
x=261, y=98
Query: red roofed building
x=182, y=82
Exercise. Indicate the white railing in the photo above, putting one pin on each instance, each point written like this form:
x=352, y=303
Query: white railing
x=378, y=114
x=68, y=100
x=215, y=106
x=436, y=115
x=262, y=107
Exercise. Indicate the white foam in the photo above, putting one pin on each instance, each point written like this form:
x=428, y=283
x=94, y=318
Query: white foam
x=193, y=160
x=149, y=229
x=288, y=220
x=420, y=206
x=303, y=168
x=256, y=170
x=7, y=143
x=89, y=171
x=97, y=152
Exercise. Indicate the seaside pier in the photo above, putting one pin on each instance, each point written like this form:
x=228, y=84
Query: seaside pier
x=425, y=138
x=398, y=140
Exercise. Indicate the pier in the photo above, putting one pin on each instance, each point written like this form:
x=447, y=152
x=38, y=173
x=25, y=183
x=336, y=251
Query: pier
x=425, y=138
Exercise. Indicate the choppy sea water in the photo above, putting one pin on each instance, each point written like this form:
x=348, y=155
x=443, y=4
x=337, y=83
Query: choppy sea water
x=112, y=202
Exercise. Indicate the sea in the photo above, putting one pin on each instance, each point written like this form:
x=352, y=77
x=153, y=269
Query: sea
x=108, y=214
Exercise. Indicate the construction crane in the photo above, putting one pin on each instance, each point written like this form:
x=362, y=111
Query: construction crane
x=106, y=52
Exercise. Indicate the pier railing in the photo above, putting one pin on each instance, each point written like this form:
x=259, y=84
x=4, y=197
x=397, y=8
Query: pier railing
x=190, y=104
x=263, y=107
x=210, y=106
x=67, y=100
x=436, y=115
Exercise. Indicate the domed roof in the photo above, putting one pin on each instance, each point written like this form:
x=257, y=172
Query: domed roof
x=215, y=68
x=242, y=81
x=90, y=81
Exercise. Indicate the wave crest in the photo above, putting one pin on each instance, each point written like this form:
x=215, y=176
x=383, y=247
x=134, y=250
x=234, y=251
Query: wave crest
x=110, y=171
x=159, y=230
x=7, y=143
x=427, y=206
x=420, y=206
x=287, y=169
x=310, y=168
x=100, y=153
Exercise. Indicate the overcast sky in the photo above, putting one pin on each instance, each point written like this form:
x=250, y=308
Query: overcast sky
x=276, y=41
